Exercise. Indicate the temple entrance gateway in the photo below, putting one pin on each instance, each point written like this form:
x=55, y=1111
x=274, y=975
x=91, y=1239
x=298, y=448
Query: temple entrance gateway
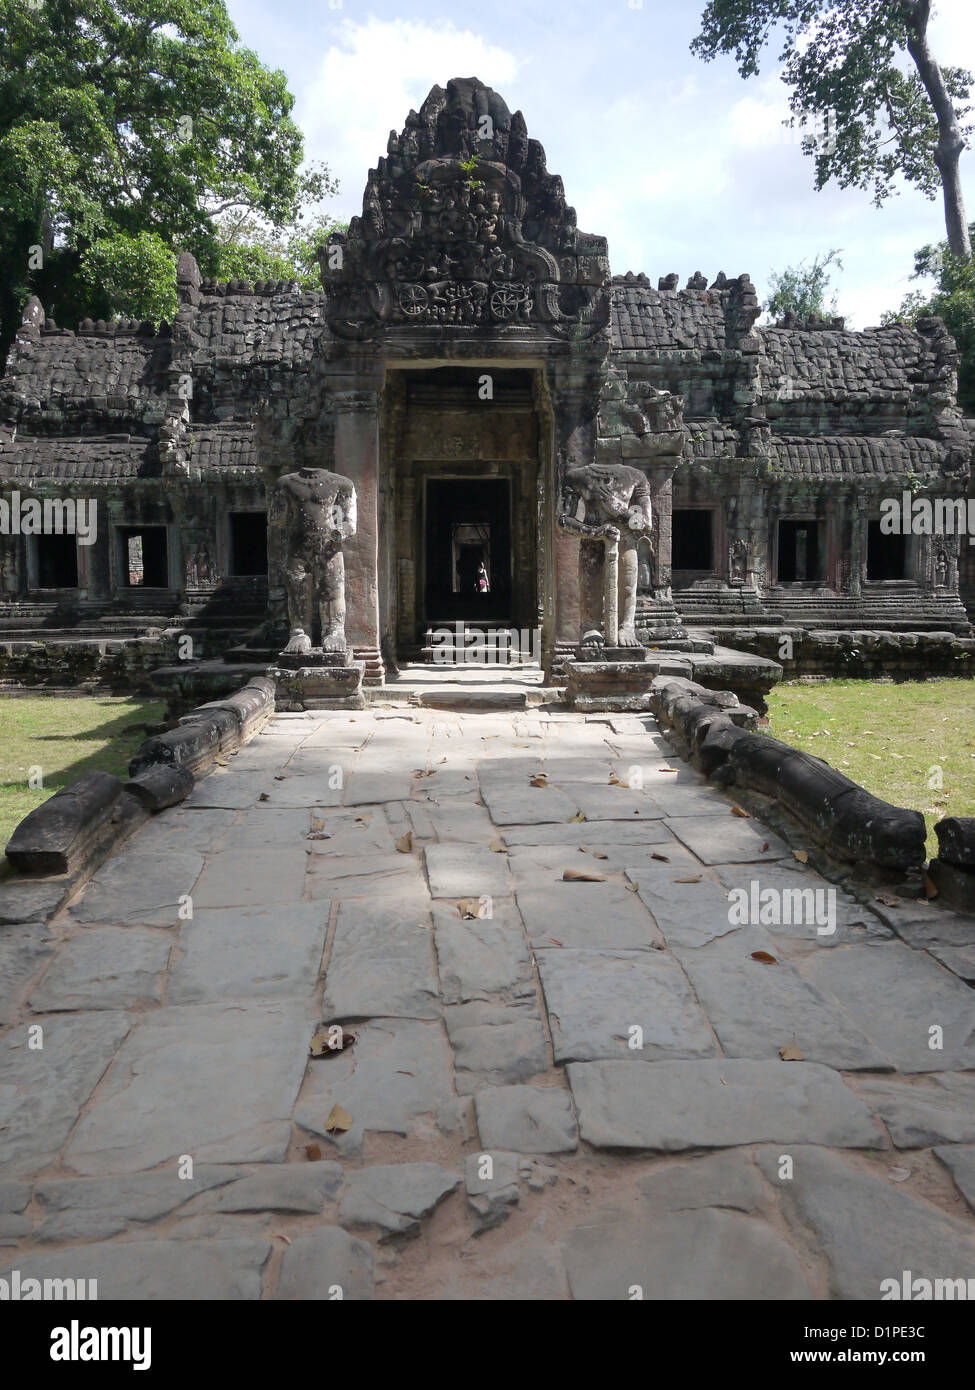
x=467, y=524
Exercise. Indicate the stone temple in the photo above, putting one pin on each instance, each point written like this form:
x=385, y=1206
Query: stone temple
x=468, y=351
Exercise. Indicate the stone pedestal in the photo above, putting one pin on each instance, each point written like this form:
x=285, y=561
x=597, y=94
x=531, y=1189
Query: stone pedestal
x=607, y=686
x=317, y=680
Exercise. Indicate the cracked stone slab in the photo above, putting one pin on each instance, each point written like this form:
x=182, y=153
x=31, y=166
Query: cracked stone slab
x=688, y=914
x=701, y=1254
x=212, y=1080
x=381, y=964
x=364, y=788
x=491, y=1184
x=728, y=839
x=853, y=921
x=230, y=790
x=395, y=1197
x=602, y=834
x=329, y=1264
x=178, y=829
x=896, y=996
x=680, y=800
x=43, y=1090
x=595, y=999
x=139, y=888
x=105, y=968
x=940, y=1109
x=713, y=1104
x=758, y=1008
x=397, y=1073
x=478, y=958
x=98, y=1208
x=959, y=1159
x=282, y=1187
x=157, y=1269
x=252, y=877
x=30, y=900
x=526, y=1119
x=466, y=871
x=960, y=960
x=233, y=953
x=728, y=1179
x=494, y=1044
x=24, y=950
x=516, y=802
x=370, y=876
x=869, y=1229
x=611, y=803
x=462, y=824
x=14, y=1196
x=260, y=828
x=593, y=916
x=349, y=835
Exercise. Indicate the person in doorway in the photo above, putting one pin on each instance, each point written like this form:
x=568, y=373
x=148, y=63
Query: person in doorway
x=483, y=584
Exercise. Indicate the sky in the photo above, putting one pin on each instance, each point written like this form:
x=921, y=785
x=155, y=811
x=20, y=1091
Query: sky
x=683, y=165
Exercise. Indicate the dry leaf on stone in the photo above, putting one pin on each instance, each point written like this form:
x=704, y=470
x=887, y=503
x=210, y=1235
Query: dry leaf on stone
x=792, y=1053
x=668, y=769
x=582, y=876
x=554, y=943
x=764, y=958
x=695, y=878
x=324, y=1044
x=280, y=1235
x=888, y=901
x=365, y=816
x=899, y=1174
x=577, y=818
x=497, y=846
x=338, y=1121
x=318, y=835
x=598, y=854
x=467, y=907
x=615, y=781
x=264, y=797
x=220, y=762
x=802, y=855
x=740, y=811
x=539, y=780
x=664, y=857
x=633, y=888
x=405, y=843
x=314, y=1152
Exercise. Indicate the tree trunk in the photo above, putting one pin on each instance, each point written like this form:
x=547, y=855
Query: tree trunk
x=951, y=143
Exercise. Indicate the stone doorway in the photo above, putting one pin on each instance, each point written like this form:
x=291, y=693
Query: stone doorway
x=467, y=523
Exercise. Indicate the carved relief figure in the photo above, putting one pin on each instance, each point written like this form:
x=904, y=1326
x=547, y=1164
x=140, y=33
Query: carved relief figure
x=320, y=514
x=616, y=513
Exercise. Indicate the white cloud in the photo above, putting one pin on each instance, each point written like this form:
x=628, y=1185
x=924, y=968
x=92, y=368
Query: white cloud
x=367, y=82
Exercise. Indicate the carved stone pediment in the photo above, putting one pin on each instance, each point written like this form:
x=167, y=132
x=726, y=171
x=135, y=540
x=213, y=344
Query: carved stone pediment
x=462, y=224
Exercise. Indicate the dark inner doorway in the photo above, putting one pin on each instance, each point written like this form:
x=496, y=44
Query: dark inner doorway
x=798, y=552
x=467, y=521
x=886, y=554
x=692, y=539
x=145, y=557
x=248, y=544
x=57, y=562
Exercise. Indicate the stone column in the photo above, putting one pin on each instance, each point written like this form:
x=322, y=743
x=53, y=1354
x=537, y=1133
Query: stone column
x=357, y=457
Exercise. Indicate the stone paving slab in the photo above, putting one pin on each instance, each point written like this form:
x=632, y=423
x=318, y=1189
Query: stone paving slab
x=712, y=1104
x=260, y=828
x=757, y=1008
x=611, y=803
x=939, y=1109
x=526, y=1119
x=24, y=951
x=466, y=871
x=478, y=958
x=217, y=1081
x=105, y=968
x=869, y=1229
x=516, y=802
x=897, y=996
x=98, y=1208
x=494, y=1043
x=397, y=1074
x=191, y=1270
x=959, y=1159
x=252, y=877
x=370, y=876
x=43, y=1089
x=381, y=965
x=139, y=888
x=626, y=1005
x=395, y=1197
x=727, y=839
x=594, y=916
x=249, y=953
x=689, y=914
x=604, y=834
x=226, y=789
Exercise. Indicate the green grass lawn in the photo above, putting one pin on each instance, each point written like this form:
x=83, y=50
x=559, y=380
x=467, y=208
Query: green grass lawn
x=892, y=739
x=63, y=736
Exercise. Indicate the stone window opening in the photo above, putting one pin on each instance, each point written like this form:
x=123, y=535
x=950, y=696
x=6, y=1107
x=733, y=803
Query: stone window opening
x=887, y=555
x=692, y=539
x=144, y=552
x=54, y=562
x=248, y=545
x=800, y=551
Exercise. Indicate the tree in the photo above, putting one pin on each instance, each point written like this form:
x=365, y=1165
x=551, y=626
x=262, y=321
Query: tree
x=846, y=63
x=128, y=130
x=250, y=248
x=953, y=300
x=802, y=289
